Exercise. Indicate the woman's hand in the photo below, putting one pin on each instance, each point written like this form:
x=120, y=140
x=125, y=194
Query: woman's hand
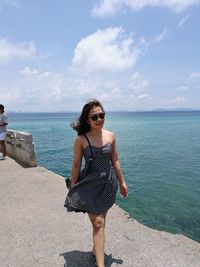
x=123, y=189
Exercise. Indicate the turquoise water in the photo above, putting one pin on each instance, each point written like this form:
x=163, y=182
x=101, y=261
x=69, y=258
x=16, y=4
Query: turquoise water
x=160, y=158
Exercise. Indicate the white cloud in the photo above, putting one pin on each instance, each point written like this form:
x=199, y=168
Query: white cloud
x=180, y=100
x=38, y=90
x=109, y=7
x=194, y=76
x=191, y=83
x=28, y=72
x=183, y=88
x=144, y=98
x=34, y=91
x=126, y=93
x=105, y=50
x=22, y=51
x=137, y=83
x=13, y=3
x=183, y=21
x=110, y=51
x=161, y=36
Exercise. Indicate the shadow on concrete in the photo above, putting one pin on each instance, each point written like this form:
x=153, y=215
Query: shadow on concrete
x=78, y=258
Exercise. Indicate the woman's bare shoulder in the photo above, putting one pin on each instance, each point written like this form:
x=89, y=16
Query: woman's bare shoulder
x=109, y=135
x=107, y=132
x=81, y=141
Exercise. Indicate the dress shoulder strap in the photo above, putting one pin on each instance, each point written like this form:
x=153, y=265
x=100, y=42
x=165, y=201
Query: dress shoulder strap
x=90, y=146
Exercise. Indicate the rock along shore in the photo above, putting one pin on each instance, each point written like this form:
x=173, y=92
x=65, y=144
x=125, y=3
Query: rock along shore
x=36, y=230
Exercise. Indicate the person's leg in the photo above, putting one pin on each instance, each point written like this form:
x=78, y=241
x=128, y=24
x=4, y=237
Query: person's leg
x=98, y=224
x=3, y=144
x=3, y=147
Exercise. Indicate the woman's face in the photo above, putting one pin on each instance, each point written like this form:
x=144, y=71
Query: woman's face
x=96, y=118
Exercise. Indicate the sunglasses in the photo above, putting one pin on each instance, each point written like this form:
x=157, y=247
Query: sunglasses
x=97, y=116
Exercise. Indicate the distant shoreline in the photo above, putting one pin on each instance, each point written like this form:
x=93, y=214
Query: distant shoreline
x=109, y=111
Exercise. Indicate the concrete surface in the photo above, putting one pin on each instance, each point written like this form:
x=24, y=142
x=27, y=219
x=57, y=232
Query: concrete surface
x=20, y=147
x=36, y=230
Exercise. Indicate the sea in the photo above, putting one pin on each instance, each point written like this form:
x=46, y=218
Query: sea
x=159, y=153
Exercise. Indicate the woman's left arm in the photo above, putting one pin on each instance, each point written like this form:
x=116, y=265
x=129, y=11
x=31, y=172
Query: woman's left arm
x=118, y=170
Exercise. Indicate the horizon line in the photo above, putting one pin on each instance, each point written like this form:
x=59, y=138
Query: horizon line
x=123, y=110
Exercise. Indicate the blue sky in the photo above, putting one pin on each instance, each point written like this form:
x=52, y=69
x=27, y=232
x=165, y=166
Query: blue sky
x=130, y=54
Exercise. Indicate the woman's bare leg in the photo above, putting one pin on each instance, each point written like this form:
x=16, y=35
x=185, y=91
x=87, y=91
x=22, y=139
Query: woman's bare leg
x=98, y=224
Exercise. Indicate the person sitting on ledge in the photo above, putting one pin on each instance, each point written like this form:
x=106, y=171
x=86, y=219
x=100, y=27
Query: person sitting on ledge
x=3, y=130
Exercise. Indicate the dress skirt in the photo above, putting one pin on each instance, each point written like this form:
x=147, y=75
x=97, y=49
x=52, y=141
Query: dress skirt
x=95, y=192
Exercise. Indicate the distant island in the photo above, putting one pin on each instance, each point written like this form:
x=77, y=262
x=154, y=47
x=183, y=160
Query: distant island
x=113, y=111
x=175, y=109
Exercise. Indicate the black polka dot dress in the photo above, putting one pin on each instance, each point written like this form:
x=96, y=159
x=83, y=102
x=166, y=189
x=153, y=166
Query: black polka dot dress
x=95, y=192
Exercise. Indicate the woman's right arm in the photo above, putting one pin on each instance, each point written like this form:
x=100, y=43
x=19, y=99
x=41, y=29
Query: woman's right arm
x=76, y=165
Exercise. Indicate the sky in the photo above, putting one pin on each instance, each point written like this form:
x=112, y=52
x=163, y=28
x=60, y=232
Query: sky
x=129, y=54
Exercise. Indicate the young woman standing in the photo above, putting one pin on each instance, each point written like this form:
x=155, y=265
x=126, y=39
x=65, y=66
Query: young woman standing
x=94, y=189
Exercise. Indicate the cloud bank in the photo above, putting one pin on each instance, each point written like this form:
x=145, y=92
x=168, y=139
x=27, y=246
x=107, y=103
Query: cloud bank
x=110, y=7
x=103, y=66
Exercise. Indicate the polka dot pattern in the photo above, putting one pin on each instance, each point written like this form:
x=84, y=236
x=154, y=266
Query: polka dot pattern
x=96, y=191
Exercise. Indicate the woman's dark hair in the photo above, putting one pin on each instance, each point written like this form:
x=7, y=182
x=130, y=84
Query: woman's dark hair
x=2, y=107
x=81, y=126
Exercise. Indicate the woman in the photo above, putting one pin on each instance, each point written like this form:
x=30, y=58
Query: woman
x=94, y=189
x=3, y=124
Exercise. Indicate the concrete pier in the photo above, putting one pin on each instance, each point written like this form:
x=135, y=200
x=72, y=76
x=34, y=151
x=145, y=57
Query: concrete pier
x=36, y=230
x=20, y=147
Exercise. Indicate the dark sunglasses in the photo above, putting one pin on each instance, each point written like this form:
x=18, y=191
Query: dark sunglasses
x=97, y=116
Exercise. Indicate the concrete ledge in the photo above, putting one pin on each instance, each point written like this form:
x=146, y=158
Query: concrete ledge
x=36, y=230
x=20, y=147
